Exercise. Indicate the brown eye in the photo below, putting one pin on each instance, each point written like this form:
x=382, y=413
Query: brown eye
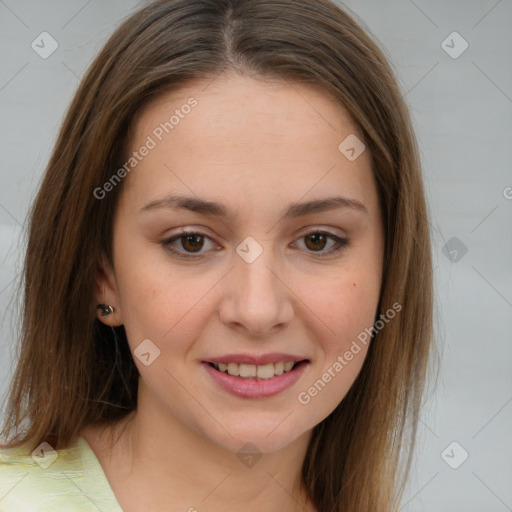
x=192, y=243
x=187, y=245
x=318, y=241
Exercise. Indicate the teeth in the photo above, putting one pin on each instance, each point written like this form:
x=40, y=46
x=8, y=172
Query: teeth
x=250, y=371
x=288, y=366
x=233, y=369
x=265, y=371
x=247, y=370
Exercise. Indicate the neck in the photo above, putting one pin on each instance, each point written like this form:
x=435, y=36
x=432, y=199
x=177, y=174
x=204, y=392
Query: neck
x=156, y=461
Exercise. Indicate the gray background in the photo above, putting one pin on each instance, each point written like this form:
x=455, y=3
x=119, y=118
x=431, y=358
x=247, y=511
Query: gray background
x=462, y=110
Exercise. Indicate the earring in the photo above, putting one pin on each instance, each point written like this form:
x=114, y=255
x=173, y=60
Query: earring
x=106, y=309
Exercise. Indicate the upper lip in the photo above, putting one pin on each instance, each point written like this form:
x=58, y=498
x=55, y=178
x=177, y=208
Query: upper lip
x=257, y=360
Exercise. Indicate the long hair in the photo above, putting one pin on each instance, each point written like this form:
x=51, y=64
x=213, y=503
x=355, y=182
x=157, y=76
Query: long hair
x=73, y=370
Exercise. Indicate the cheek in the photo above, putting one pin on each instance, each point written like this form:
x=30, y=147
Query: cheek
x=345, y=303
x=349, y=311
x=352, y=315
x=155, y=308
x=160, y=301
x=145, y=292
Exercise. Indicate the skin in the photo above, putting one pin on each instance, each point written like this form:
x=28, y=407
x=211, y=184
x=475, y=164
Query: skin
x=256, y=146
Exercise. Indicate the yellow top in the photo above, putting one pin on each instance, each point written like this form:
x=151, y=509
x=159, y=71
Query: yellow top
x=46, y=480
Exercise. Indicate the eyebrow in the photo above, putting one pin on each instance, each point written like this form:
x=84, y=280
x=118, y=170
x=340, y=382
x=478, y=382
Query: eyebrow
x=216, y=209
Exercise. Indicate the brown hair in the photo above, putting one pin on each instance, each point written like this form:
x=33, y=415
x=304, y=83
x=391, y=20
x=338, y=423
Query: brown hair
x=73, y=370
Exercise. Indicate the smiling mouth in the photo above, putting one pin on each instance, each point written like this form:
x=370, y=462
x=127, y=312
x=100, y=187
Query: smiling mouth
x=257, y=372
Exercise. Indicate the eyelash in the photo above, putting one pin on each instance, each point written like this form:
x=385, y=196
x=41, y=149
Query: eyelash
x=341, y=244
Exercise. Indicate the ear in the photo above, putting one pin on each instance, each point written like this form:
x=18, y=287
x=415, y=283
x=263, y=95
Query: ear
x=105, y=293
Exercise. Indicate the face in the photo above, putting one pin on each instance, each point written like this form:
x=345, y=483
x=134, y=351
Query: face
x=252, y=271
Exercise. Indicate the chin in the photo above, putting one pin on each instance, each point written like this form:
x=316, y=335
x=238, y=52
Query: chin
x=266, y=436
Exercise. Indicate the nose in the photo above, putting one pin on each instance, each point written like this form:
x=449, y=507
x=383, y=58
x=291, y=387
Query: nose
x=256, y=299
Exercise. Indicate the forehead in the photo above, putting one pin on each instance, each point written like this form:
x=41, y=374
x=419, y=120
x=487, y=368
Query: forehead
x=251, y=137
x=228, y=100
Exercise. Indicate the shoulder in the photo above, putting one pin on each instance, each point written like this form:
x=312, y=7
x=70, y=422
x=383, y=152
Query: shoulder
x=44, y=479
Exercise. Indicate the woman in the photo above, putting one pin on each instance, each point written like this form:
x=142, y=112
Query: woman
x=228, y=289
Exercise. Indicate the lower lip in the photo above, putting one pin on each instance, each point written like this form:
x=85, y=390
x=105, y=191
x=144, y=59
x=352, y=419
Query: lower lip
x=252, y=388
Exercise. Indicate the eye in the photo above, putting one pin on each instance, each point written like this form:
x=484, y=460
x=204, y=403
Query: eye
x=191, y=243
x=316, y=241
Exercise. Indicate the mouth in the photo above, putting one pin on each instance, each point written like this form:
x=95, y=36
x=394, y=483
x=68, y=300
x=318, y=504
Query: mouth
x=257, y=372
x=256, y=377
